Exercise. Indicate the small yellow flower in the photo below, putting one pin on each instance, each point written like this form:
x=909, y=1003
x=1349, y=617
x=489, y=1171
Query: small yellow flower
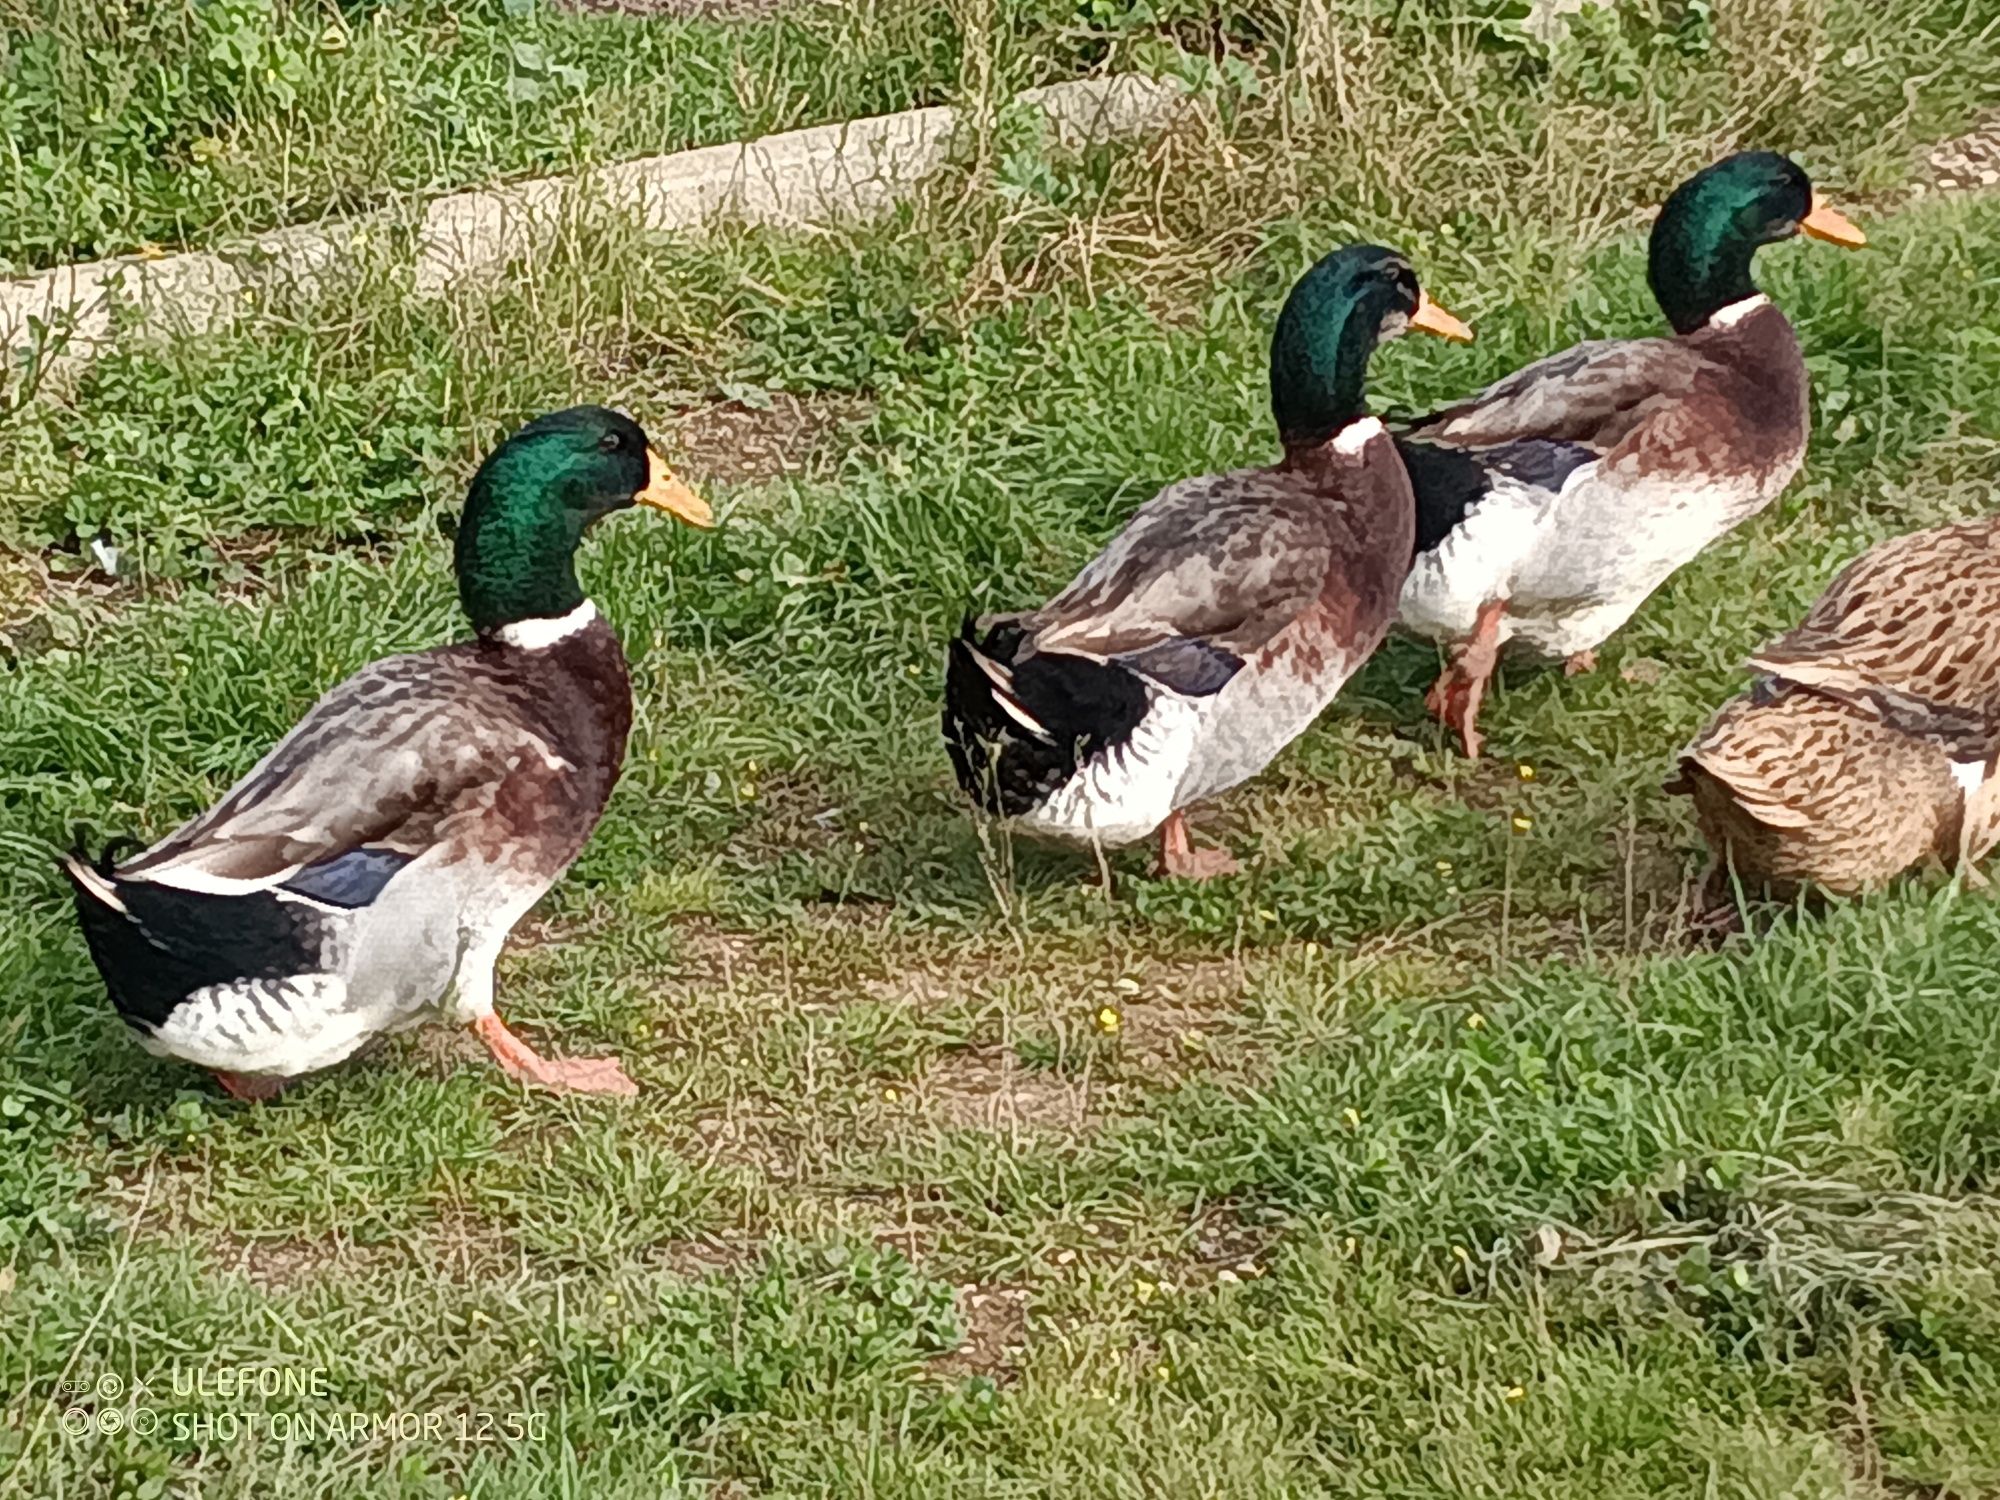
x=1525, y=771
x=1163, y=1373
x=1444, y=867
x=1109, y=1021
x=1352, y=1116
x=1350, y=1245
x=610, y=1299
x=1312, y=950
x=1144, y=1290
x=1522, y=822
x=863, y=827
x=480, y=1317
x=1475, y=1022
x=891, y=1095
x=1517, y=1393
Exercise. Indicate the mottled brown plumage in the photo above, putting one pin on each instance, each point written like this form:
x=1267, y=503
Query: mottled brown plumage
x=1914, y=618
x=1871, y=744
x=1220, y=621
x=467, y=747
x=1553, y=504
x=1809, y=791
x=1726, y=401
x=374, y=862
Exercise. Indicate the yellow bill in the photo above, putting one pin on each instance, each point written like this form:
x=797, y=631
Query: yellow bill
x=1827, y=223
x=664, y=492
x=1433, y=319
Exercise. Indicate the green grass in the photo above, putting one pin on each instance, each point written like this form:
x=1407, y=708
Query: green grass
x=185, y=122
x=1426, y=1159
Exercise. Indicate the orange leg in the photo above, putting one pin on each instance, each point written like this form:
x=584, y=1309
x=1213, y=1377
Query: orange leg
x=1179, y=857
x=582, y=1075
x=1461, y=688
x=250, y=1085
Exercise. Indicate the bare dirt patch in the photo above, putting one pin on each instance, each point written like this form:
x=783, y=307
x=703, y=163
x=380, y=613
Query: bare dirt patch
x=442, y=1051
x=1165, y=1024
x=279, y=1264
x=734, y=443
x=677, y=10
x=986, y=1088
x=458, y=1247
x=711, y=1255
x=995, y=1318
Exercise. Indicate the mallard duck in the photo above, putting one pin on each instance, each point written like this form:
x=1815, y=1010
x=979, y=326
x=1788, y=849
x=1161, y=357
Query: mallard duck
x=1222, y=619
x=1870, y=742
x=1552, y=505
x=382, y=852
x=1906, y=629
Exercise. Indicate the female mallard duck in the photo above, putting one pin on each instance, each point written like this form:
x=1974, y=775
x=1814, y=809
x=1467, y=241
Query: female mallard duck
x=1870, y=744
x=1223, y=618
x=391, y=841
x=1551, y=506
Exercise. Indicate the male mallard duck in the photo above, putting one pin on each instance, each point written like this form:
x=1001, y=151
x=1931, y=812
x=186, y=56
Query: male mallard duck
x=1551, y=506
x=391, y=841
x=1223, y=618
x=1870, y=744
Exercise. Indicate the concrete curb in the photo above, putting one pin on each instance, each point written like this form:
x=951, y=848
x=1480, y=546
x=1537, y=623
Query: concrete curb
x=802, y=178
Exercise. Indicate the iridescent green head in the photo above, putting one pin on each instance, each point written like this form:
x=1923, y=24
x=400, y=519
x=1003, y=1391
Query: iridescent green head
x=1713, y=223
x=532, y=500
x=1340, y=311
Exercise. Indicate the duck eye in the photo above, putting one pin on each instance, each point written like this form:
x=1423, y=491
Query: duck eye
x=611, y=442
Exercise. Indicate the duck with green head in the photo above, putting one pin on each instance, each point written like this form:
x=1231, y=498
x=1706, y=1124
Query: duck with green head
x=378, y=857
x=1552, y=505
x=1214, y=628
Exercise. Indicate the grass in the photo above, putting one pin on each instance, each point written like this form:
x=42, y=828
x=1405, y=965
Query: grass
x=138, y=128
x=1424, y=1159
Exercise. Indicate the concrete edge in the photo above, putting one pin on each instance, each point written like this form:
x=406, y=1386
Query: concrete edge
x=800, y=178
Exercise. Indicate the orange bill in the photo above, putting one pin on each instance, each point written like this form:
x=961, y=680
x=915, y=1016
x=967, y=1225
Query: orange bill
x=664, y=492
x=1433, y=319
x=1827, y=223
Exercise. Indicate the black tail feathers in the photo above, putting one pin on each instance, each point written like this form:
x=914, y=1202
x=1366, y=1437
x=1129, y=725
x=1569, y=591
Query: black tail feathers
x=156, y=944
x=1074, y=709
x=105, y=861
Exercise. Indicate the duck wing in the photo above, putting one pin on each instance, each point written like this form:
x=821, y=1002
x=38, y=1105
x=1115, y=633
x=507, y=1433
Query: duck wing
x=1905, y=621
x=1595, y=394
x=1203, y=576
x=367, y=781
